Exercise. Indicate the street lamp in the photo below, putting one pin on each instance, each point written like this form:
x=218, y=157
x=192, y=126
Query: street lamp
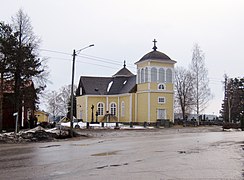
x=72, y=87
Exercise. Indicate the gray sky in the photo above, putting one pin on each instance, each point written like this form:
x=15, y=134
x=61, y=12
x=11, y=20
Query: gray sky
x=124, y=30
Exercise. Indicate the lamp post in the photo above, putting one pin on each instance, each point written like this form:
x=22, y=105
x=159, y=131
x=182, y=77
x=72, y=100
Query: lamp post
x=72, y=87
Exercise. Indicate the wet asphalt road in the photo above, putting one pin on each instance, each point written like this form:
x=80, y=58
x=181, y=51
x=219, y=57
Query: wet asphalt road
x=152, y=154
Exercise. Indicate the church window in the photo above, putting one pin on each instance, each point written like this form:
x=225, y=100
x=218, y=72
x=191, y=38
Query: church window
x=146, y=74
x=154, y=74
x=138, y=76
x=161, y=87
x=113, y=108
x=142, y=76
x=161, y=100
x=169, y=76
x=122, y=108
x=100, y=108
x=161, y=75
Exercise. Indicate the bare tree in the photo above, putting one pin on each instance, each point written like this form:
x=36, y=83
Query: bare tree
x=58, y=101
x=184, y=90
x=64, y=97
x=53, y=106
x=202, y=93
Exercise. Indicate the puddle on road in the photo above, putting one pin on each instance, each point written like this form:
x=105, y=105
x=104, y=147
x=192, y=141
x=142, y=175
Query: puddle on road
x=54, y=145
x=80, y=145
x=112, y=165
x=189, y=152
x=159, y=151
x=106, y=153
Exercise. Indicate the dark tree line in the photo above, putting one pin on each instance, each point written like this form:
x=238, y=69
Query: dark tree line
x=19, y=62
x=233, y=103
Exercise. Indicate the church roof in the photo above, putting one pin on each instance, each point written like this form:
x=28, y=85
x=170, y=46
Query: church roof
x=124, y=72
x=156, y=55
x=106, y=85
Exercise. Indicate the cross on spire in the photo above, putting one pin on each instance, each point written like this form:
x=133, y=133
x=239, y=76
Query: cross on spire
x=155, y=47
x=124, y=64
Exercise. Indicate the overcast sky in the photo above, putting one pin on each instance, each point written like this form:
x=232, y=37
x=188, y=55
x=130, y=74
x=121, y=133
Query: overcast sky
x=124, y=30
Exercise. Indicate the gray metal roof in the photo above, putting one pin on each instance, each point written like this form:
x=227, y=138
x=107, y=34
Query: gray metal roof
x=155, y=55
x=106, y=85
x=123, y=72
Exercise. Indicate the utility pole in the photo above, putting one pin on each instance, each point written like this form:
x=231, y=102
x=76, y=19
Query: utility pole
x=72, y=88
x=72, y=95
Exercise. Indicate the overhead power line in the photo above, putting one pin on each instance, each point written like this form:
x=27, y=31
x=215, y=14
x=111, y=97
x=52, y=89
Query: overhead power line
x=106, y=60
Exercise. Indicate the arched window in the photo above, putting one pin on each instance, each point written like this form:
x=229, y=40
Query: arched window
x=154, y=74
x=169, y=76
x=100, y=108
x=161, y=75
x=138, y=76
x=146, y=74
x=142, y=75
x=161, y=87
x=122, y=109
x=113, y=108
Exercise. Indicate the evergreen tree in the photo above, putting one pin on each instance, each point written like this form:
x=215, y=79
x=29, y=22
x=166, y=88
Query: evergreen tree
x=25, y=65
x=7, y=44
x=233, y=103
x=19, y=61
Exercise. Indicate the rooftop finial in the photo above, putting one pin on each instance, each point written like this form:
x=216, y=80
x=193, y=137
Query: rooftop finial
x=154, y=47
x=124, y=64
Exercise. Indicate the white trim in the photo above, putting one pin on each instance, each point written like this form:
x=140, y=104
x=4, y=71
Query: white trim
x=131, y=108
x=118, y=109
x=149, y=107
x=173, y=103
x=86, y=108
x=115, y=95
x=136, y=107
x=107, y=108
x=155, y=91
x=160, y=60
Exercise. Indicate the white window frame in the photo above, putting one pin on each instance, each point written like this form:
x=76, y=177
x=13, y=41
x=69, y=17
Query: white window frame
x=161, y=100
x=113, y=109
x=142, y=75
x=154, y=76
x=161, y=84
x=169, y=77
x=138, y=76
x=100, y=110
x=161, y=75
x=146, y=74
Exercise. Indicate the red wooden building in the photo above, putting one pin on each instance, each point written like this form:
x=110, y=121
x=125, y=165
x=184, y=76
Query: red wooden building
x=28, y=101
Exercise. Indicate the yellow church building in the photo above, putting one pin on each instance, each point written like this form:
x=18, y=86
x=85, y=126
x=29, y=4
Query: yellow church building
x=125, y=97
